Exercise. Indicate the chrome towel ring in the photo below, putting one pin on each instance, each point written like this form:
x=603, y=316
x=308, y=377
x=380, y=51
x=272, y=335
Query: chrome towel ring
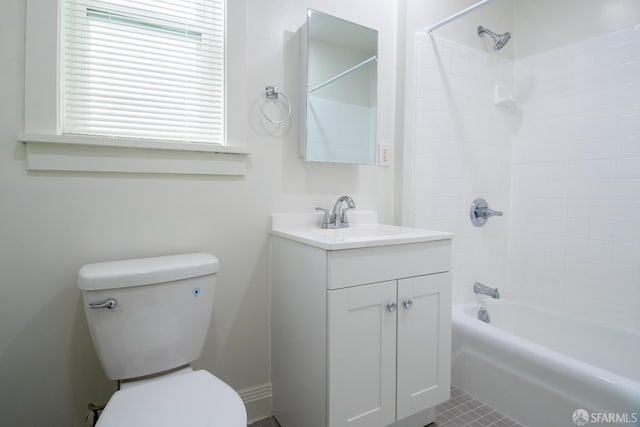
x=272, y=93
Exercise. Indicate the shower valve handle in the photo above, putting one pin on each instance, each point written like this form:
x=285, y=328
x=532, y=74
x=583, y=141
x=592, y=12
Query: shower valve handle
x=480, y=212
x=490, y=212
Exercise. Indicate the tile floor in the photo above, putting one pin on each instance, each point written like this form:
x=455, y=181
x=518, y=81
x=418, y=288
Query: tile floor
x=462, y=410
x=465, y=410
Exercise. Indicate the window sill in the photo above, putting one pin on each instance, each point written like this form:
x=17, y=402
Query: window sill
x=81, y=153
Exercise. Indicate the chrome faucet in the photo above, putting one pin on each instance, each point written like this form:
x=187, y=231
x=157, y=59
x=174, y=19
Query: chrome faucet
x=479, y=288
x=337, y=218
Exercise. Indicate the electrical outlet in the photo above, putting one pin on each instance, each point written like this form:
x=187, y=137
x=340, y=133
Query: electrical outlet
x=384, y=155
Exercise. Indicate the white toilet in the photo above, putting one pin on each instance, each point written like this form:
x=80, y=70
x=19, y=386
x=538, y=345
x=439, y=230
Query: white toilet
x=149, y=319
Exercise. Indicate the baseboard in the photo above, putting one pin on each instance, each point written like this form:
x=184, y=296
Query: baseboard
x=257, y=400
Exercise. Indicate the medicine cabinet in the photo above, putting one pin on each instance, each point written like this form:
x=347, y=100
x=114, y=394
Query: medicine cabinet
x=339, y=92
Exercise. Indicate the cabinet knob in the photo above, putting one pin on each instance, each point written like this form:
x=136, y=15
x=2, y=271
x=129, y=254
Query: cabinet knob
x=392, y=307
x=408, y=303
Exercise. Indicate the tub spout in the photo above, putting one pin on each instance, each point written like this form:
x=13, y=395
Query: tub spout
x=479, y=288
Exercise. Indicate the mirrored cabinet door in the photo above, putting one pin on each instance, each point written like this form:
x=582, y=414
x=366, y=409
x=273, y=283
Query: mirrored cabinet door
x=339, y=73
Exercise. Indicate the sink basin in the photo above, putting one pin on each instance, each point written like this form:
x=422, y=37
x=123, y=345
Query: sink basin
x=364, y=231
x=368, y=231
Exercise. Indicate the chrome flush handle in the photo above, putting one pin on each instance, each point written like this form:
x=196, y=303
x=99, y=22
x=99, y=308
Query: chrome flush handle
x=110, y=303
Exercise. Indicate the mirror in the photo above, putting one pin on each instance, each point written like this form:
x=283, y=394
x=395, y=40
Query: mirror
x=339, y=74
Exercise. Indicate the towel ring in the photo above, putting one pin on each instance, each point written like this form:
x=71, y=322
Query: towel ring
x=272, y=93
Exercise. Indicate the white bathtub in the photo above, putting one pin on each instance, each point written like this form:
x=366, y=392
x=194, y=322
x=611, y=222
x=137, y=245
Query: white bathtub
x=538, y=367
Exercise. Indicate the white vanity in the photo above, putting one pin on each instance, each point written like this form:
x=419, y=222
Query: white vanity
x=360, y=322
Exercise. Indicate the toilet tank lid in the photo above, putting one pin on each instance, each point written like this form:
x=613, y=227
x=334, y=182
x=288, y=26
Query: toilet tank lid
x=146, y=271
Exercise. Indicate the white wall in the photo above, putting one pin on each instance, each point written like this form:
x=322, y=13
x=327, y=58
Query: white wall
x=52, y=223
x=575, y=210
x=541, y=25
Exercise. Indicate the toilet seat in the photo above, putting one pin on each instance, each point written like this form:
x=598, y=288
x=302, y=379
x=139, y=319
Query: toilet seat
x=191, y=399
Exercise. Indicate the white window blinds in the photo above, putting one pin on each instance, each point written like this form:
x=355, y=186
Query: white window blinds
x=144, y=69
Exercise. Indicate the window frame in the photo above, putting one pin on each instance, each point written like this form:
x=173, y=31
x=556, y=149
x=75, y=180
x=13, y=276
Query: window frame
x=48, y=149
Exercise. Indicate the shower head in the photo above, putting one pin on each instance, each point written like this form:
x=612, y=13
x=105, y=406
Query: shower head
x=499, y=40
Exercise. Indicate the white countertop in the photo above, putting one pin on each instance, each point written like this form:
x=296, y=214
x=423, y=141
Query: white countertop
x=364, y=231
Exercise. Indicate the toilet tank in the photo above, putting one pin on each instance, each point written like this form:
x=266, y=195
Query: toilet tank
x=160, y=314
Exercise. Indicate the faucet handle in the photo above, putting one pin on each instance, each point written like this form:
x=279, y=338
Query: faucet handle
x=344, y=221
x=326, y=220
x=488, y=212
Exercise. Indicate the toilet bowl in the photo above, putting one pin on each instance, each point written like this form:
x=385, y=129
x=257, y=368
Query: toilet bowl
x=148, y=319
x=191, y=398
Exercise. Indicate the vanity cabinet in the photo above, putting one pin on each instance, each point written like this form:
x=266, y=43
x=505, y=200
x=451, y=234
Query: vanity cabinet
x=385, y=343
x=360, y=336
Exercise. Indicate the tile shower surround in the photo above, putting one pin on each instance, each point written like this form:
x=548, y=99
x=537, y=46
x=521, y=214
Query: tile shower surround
x=564, y=166
x=575, y=181
x=462, y=151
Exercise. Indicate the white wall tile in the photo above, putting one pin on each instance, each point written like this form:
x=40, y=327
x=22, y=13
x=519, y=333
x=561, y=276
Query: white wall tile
x=581, y=111
x=629, y=167
x=577, y=209
x=604, y=189
x=593, y=169
x=462, y=152
x=628, y=189
x=629, y=146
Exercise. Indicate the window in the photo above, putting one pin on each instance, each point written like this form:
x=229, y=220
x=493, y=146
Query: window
x=151, y=69
x=132, y=86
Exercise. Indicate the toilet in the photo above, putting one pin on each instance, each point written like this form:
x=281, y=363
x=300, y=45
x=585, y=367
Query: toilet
x=148, y=319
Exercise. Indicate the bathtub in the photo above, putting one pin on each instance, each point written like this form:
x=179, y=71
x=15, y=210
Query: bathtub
x=538, y=367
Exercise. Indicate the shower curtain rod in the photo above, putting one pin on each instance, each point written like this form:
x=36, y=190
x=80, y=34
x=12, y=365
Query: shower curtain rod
x=455, y=16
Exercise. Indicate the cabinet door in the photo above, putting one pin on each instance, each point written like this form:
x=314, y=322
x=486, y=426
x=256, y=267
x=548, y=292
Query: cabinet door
x=361, y=355
x=424, y=342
